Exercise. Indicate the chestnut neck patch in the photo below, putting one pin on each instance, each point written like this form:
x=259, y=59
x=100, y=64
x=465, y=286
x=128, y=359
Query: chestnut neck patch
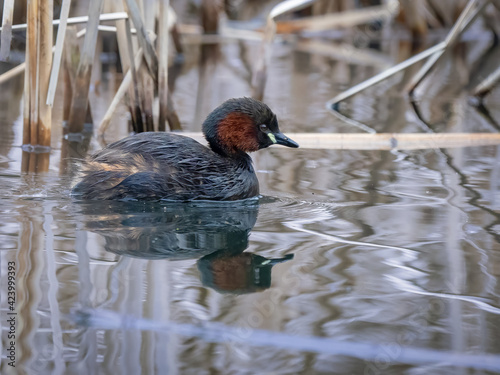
x=237, y=133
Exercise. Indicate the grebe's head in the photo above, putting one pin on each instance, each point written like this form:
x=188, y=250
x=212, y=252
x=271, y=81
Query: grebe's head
x=243, y=125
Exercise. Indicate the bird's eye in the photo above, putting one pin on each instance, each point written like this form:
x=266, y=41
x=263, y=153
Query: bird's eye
x=264, y=128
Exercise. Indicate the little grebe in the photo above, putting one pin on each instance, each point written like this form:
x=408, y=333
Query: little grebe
x=173, y=167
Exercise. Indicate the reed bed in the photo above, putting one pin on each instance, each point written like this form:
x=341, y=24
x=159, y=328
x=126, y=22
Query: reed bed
x=143, y=30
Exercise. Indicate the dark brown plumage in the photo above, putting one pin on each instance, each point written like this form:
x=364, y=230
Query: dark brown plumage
x=173, y=167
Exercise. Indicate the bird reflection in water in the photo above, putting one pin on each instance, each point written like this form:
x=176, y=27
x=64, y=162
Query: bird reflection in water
x=215, y=232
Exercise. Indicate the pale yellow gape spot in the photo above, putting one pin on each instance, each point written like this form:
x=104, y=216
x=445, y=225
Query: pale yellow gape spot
x=271, y=137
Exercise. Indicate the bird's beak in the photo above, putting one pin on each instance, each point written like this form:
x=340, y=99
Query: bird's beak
x=281, y=139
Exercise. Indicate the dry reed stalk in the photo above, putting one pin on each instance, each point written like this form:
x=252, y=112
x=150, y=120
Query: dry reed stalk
x=496, y=3
x=348, y=18
x=8, y=13
x=194, y=35
x=82, y=83
x=135, y=104
x=414, y=14
x=163, y=37
x=147, y=91
x=209, y=13
x=324, y=7
x=61, y=32
x=446, y=11
x=488, y=84
x=125, y=49
x=260, y=73
x=177, y=38
x=149, y=8
x=191, y=29
x=385, y=141
x=121, y=37
x=12, y=73
x=344, y=52
x=468, y=15
x=71, y=59
x=172, y=117
x=384, y=75
x=82, y=19
x=68, y=93
x=26, y=95
x=191, y=35
x=127, y=79
x=144, y=40
x=149, y=82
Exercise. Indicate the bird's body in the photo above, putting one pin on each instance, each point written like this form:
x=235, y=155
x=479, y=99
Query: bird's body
x=169, y=166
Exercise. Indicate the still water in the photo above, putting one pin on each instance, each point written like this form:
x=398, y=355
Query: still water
x=351, y=262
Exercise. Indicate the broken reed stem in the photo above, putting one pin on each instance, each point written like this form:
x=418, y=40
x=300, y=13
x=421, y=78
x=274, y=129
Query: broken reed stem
x=163, y=37
x=82, y=83
x=384, y=75
x=12, y=73
x=468, y=15
x=384, y=141
x=61, y=32
x=8, y=13
x=488, y=84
